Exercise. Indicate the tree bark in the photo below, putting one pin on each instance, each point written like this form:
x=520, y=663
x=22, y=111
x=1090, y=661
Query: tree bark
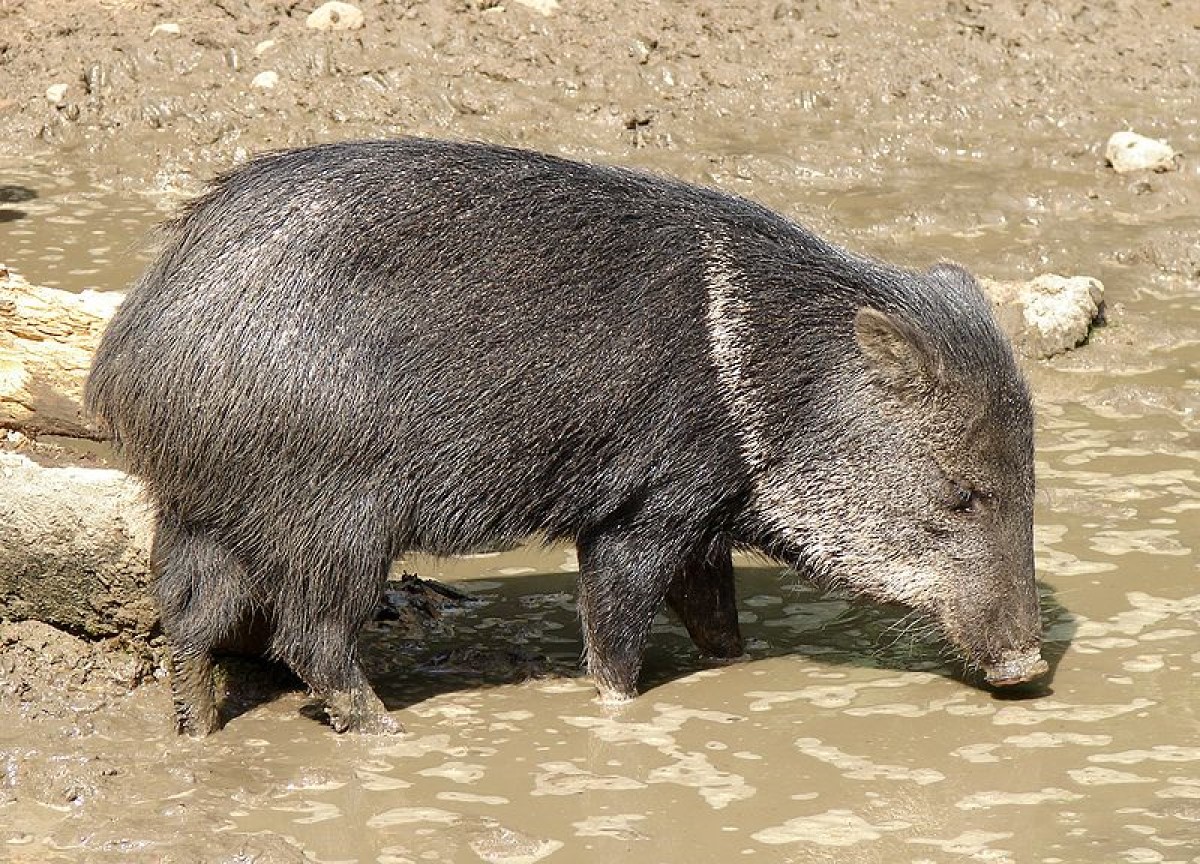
x=47, y=338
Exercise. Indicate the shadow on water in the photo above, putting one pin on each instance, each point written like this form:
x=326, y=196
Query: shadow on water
x=14, y=195
x=526, y=627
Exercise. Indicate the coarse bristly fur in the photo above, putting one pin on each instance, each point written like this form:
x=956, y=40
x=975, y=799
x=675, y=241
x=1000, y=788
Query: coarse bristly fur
x=350, y=351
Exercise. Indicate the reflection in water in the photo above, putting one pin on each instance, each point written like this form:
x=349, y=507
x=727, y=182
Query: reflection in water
x=13, y=195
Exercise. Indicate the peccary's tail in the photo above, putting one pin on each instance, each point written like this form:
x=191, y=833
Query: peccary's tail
x=132, y=383
x=116, y=381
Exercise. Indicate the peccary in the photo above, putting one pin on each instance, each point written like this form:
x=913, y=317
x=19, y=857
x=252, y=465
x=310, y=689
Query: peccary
x=349, y=351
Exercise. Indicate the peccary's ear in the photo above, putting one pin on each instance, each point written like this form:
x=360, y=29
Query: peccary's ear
x=895, y=350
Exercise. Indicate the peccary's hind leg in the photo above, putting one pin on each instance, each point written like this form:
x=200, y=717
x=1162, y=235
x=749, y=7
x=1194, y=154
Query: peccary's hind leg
x=352, y=705
x=202, y=599
x=622, y=582
x=702, y=595
x=331, y=670
x=316, y=635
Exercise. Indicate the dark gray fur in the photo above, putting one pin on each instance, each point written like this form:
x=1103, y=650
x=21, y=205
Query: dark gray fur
x=350, y=351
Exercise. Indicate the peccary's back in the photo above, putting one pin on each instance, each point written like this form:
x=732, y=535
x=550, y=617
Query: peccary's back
x=478, y=342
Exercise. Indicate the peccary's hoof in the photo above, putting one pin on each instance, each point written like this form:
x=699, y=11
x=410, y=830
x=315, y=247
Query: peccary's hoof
x=359, y=712
x=198, y=719
x=377, y=724
x=1016, y=668
x=612, y=698
x=727, y=647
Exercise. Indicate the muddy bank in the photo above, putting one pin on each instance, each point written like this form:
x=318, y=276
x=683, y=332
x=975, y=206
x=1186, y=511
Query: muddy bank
x=164, y=93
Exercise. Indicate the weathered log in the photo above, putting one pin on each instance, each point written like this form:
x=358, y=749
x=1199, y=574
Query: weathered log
x=47, y=338
x=74, y=548
x=74, y=541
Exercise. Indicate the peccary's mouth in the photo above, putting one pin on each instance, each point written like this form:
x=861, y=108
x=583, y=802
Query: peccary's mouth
x=1015, y=667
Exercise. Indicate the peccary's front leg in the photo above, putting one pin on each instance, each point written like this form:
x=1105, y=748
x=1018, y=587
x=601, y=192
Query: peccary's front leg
x=702, y=595
x=622, y=582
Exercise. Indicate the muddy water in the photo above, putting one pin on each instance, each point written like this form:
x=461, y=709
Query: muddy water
x=843, y=737
x=59, y=228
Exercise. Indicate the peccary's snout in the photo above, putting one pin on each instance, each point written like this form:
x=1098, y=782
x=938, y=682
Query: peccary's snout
x=997, y=626
x=1002, y=634
x=1016, y=667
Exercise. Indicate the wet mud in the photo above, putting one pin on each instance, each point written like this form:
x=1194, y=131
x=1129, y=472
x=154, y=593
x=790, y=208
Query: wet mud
x=844, y=736
x=912, y=130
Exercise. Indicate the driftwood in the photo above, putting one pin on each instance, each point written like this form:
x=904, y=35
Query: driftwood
x=47, y=338
x=74, y=548
x=74, y=541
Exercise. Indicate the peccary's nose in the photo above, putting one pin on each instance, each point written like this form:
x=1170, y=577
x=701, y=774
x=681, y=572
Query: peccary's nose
x=1016, y=667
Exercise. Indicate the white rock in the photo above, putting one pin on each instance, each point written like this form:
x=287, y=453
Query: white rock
x=1050, y=314
x=56, y=93
x=264, y=46
x=1129, y=151
x=167, y=28
x=546, y=7
x=265, y=80
x=335, y=15
x=1061, y=309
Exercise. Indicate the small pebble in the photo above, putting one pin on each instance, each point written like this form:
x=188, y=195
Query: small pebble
x=264, y=46
x=546, y=7
x=56, y=93
x=1129, y=151
x=168, y=28
x=335, y=15
x=265, y=80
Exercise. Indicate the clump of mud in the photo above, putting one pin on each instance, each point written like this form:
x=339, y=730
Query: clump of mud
x=47, y=673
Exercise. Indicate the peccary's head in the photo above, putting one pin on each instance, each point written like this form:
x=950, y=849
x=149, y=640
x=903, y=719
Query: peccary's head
x=906, y=474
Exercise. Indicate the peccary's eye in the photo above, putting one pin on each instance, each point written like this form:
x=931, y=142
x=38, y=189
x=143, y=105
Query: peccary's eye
x=961, y=498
